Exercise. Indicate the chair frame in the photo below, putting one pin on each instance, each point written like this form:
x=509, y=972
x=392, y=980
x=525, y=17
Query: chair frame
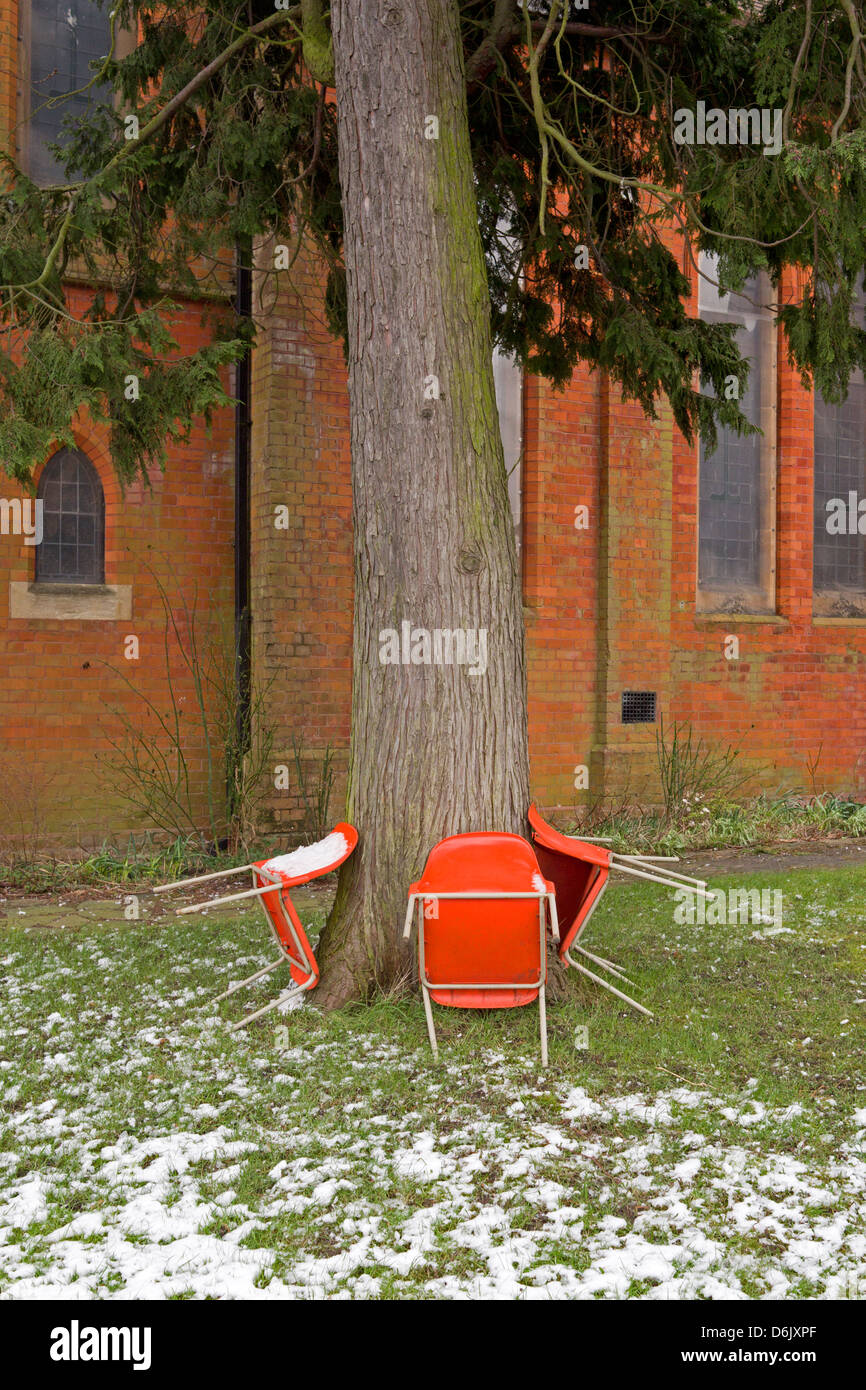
x=605, y=964
x=267, y=881
x=635, y=865
x=305, y=963
x=416, y=903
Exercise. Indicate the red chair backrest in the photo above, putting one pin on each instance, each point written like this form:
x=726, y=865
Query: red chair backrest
x=577, y=869
x=301, y=969
x=482, y=941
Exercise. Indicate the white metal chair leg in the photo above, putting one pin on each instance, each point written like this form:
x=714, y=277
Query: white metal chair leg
x=542, y=1013
x=410, y=911
x=229, y=898
x=605, y=964
x=660, y=859
x=281, y=999
x=605, y=985
x=677, y=880
x=657, y=871
x=232, y=989
x=655, y=877
x=202, y=878
x=601, y=960
x=431, y=1030
x=660, y=870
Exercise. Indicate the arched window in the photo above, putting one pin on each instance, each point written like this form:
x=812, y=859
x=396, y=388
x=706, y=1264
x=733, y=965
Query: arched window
x=73, y=522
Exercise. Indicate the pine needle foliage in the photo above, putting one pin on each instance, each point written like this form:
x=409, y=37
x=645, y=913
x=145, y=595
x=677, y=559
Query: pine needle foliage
x=572, y=116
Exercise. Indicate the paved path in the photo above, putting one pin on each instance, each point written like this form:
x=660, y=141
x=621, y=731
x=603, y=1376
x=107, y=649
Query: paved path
x=776, y=859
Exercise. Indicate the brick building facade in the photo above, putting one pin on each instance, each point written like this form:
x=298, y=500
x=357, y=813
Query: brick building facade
x=612, y=600
x=658, y=584
x=70, y=679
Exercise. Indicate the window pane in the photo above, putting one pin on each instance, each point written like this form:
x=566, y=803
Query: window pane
x=508, y=383
x=731, y=492
x=72, y=550
x=52, y=497
x=49, y=560
x=65, y=36
x=840, y=470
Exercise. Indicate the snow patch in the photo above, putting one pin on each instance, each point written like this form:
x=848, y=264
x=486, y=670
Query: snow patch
x=309, y=859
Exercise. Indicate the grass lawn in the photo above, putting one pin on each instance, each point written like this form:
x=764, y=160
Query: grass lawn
x=717, y=1151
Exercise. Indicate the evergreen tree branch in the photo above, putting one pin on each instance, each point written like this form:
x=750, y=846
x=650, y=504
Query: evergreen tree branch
x=798, y=63
x=152, y=128
x=317, y=47
x=503, y=27
x=853, y=52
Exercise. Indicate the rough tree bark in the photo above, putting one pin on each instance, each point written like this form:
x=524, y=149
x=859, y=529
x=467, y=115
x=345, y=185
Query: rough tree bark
x=435, y=750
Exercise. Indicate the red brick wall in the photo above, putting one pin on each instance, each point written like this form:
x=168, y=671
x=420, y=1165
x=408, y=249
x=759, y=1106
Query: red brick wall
x=301, y=575
x=60, y=680
x=562, y=435
x=57, y=690
x=8, y=69
x=800, y=681
x=608, y=608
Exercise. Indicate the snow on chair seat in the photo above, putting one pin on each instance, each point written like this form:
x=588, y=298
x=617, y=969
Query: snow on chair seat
x=300, y=865
x=272, y=878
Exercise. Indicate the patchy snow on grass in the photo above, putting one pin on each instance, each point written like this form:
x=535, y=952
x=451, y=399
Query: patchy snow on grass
x=145, y=1152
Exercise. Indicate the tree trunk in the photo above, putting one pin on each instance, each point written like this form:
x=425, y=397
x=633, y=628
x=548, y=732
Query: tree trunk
x=437, y=748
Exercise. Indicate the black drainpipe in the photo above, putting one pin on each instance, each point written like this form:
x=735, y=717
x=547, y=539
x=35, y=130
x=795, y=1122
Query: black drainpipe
x=243, y=428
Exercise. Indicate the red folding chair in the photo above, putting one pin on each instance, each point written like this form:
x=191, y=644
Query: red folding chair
x=580, y=872
x=272, y=879
x=482, y=908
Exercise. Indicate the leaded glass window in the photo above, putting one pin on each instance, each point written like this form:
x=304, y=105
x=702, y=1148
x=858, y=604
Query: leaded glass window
x=73, y=530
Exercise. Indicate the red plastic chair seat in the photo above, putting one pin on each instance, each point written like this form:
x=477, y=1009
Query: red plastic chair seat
x=488, y=939
x=579, y=871
x=278, y=906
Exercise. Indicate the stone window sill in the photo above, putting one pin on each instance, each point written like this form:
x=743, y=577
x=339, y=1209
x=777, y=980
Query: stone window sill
x=70, y=602
x=732, y=619
x=839, y=606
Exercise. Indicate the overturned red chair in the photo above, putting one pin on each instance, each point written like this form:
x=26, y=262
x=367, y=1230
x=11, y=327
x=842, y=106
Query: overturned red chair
x=482, y=909
x=272, y=879
x=581, y=872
